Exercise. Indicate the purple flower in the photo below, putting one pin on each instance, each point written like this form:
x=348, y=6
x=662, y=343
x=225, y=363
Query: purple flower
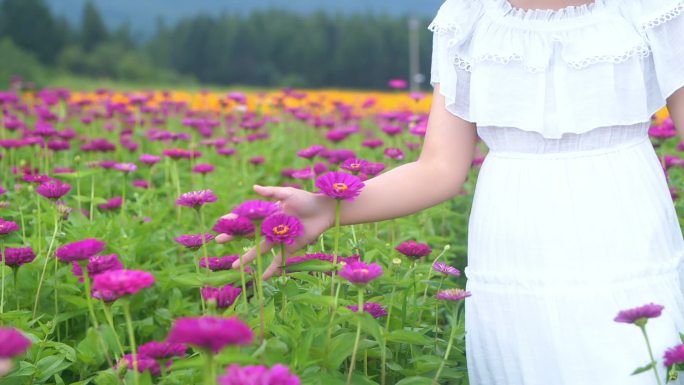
x=196, y=199
x=7, y=227
x=281, y=228
x=161, y=350
x=224, y=296
x=18, y=256
x=674, y=355
x=53, y=189
x=210, y=333
x=414, y=249
x=360, y=273
x=394, y=153
x=237, y=227
x=452, y=294
x=639, y=315
x=221, y=263
x=258, y=374
x=375, y=309
x=126, y=167
x=194, y=241
x=79, y=250
x=309, y=153
x=97, y=264
x=354, y=165
x=339, y=185
x=149, y=159
x=141, y=183
x=446, y=269
x=144, y=363
x=111, y=204
x=12, y=343
x=119, y=283
x=256, y=210
x=203, y=168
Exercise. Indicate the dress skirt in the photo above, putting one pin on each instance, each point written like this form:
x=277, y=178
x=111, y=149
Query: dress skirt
x=563, y=234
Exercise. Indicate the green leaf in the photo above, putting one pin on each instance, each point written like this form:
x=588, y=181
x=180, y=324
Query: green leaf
x=415, y=381
x=314, y=299
x=311, y=265
x=408, y=337
x=643, y=368
x=50, y=365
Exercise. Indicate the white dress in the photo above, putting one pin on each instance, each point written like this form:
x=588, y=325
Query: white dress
x=572, y=220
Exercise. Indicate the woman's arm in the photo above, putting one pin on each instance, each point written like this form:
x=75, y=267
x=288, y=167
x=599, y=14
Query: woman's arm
x=675, y=104
x=437, y=175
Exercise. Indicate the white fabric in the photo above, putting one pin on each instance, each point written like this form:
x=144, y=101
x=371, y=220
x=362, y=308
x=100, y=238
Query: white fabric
x=572, y=219
x=546, y=71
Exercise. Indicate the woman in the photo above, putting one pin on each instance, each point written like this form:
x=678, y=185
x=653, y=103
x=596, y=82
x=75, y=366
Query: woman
x=572, y=219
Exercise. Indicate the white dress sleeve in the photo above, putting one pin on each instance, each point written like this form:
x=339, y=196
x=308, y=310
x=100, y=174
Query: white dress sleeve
x=452, y=27
x=662, y=22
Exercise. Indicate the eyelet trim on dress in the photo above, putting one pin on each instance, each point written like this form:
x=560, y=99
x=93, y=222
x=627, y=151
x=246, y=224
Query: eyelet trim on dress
x=673, y=13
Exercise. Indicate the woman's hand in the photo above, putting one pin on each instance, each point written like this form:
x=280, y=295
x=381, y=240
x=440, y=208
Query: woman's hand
x=316, y=212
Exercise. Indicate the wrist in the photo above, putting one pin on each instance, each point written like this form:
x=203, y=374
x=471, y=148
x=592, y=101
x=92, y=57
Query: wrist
x=328, y=208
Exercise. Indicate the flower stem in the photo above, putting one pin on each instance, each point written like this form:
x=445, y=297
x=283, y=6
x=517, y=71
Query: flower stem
x=200, y=217
x=243, y=283
x=2, y=276
x=358, y=337
x=210, y=372
x=110, y=322
x=650, y=353
x=47, y=258
x=337, y=246
x=449, y=345
x=131, y=339
x=260, y=283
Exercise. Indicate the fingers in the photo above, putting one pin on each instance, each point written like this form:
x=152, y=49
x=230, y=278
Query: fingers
x=280, y=193
x=223, y=238
x=250, y=255
x=230, y=216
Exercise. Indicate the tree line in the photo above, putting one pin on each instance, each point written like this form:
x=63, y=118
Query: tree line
x=264, y=48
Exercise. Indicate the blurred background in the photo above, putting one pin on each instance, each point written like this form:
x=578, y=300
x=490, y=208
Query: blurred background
x=89, y=44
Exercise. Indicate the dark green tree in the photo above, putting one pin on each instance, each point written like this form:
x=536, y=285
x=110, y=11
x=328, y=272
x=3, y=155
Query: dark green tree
x=93, y=30
x=31, y=26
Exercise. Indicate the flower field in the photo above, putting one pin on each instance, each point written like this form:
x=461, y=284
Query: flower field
x=125, y=217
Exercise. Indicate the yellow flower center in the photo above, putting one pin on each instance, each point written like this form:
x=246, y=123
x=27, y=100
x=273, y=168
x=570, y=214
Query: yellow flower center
x=364, y=271
x=281, y=229
x=340, y=187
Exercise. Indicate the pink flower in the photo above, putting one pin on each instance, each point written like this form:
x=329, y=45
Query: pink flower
x=18, y=256
x=354, y=165
x=203, y=169
x=374, y=309
x=79, y=250
x=194, y=241
x=210, y=333
x=161, y=350
x=311, y=152
x=452, y=294
x=360, y=273
x=12, y=343
x=144, y=363
x=149, y=159
x=7, y=227
x=223, y=296
x=397, y=83
x=281, y=228
x=196, y=199
x=414, y=249
x=53, y=189
x=112, y=204
x=220, y=263
x=674, y=355
x=340, y=185
x=119, y=283
x=237, y=227
x=446, y=269
x=256, y=210
x=261, y=375
x=639, y=315
x=126, y=167
x=97, y=264
x=394, y=153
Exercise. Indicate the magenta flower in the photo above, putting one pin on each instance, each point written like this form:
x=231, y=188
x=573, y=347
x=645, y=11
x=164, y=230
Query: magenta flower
x=119, y=283
x=354, y=165
x=237, y=227
x=453, y=294
x=144, y=363
x=414, y=249
x=196, y=199
x=79, y=250
x=373, y=169
x=397, y=83
x=149, y=159
x=53, y=189
x=97, y=264
x=210, y=333
x=360, y=273
x=446, y=269
x=674, y=355
x=251, y=375
x=15, y=257
x=161, y=350
x=339, y=185
x=218, y=264
x=203, y=168
x=394, y=153
x=256, y=210
x=111, y=204
x=639, y=315
x=309, y=153
x=224, y=296
x=375, y=309
x=12, y=343
x=126, y=167
x=7, y=227
x=281, y=228
x=141, y=183
x=194, y=241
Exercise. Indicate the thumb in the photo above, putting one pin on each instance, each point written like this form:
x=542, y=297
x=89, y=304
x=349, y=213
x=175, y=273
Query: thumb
x=276, y=192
